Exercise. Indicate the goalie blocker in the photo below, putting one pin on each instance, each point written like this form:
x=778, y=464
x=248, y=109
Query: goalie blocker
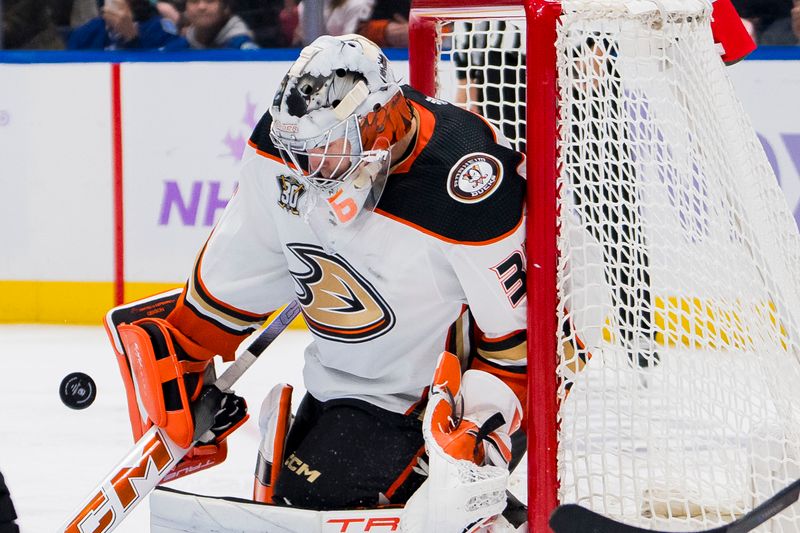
x=164, y=372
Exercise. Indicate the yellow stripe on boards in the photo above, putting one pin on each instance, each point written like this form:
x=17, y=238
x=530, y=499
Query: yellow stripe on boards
x=55, y=302
x=73, y=302
x=706, y=323
x=139, y=290
x=718, y=325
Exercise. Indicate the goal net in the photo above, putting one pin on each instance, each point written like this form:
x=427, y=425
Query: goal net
x=663, y=262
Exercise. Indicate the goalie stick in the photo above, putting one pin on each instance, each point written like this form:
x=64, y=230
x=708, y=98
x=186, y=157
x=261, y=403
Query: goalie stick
x=572, y=518
x=155, y=455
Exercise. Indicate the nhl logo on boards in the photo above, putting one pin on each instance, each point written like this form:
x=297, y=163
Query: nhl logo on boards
x=475, y=177
x=291, y=192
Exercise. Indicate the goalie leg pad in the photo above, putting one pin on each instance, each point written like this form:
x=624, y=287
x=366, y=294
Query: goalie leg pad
x=167, y=378
x=274, y=422
x=173, y=511
x=157, y=306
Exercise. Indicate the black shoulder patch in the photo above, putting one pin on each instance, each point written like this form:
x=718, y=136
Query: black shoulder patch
x=474, y=177
x=462, y=186
x=260, y=136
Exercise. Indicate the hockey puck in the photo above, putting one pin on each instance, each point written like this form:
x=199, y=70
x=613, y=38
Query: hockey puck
x=77, y=390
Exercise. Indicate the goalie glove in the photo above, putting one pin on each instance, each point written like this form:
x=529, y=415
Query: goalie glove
x=472, y=416
x=467, y=427
x=231, y=413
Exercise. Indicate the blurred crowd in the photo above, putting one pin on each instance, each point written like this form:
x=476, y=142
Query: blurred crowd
x=771, y=22
x=242, y=24
x=193, y=24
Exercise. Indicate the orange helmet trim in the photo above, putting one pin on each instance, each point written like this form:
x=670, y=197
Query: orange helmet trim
x=391, y=121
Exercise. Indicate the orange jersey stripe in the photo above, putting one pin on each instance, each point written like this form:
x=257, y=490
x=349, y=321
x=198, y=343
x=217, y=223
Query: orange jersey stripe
x=219, y=304
x=204, y=332
x=348, y=331
x=445, y=239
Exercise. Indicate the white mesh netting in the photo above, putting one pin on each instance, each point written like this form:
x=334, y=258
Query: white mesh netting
x=678, y=276
x=485, y=70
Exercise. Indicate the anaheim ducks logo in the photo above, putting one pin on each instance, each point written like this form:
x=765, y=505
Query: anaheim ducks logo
x=475, y=177
x=338, y=303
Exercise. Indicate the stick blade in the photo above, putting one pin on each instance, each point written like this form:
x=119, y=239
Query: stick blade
x=572, y=518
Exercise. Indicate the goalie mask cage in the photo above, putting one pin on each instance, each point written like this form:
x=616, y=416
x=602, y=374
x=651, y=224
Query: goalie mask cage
x=662, y=258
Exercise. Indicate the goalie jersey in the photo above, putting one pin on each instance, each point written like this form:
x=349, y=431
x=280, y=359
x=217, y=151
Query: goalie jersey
x=439, y=265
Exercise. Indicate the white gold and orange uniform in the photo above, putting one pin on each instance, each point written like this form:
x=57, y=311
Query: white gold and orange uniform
x=439, y=265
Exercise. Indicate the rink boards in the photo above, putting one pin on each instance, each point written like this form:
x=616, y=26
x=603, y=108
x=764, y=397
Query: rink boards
x=104, y=205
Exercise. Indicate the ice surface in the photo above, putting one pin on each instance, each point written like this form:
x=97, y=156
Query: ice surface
x=53, y=456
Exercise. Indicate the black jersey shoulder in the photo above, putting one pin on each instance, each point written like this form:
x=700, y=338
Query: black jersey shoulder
x=260, y=136
x=423, y=195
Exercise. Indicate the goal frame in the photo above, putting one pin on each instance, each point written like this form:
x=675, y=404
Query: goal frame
x=541, y=115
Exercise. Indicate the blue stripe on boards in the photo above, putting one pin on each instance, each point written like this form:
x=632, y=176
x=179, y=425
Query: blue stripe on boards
x=155, y=56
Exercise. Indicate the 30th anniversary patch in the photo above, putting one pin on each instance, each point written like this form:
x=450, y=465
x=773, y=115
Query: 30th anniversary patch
x=475, y=177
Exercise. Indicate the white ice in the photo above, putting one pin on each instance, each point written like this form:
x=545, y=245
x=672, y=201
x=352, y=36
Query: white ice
x=52, y=456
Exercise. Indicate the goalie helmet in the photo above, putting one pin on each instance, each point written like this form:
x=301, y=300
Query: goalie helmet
x=338, y=106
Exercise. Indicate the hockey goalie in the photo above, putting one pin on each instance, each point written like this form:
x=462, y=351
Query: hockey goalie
x=397, y=221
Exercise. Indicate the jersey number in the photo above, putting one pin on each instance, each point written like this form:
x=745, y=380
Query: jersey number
x=511, y=273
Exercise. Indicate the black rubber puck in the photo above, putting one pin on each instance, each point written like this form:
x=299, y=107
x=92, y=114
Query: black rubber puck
x=77, y=390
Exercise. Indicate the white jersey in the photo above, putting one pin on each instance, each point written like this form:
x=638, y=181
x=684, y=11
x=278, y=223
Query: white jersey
x=438, y=265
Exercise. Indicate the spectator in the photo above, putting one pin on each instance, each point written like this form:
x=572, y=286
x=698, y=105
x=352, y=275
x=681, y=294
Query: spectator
x=388, y=26
x=68, y=14
x=785, y=31
x=211, y=24
x=796, y=19
x=28, y=25
x=262, y=17
x=288, y=20
x=124, y=24
x=174, y=11
x=342, y=17
x=774, y=22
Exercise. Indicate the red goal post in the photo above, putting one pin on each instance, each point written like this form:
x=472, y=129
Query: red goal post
x=663, y=261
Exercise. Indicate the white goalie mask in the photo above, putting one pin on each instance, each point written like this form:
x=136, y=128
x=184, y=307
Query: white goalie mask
x=335, y=117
